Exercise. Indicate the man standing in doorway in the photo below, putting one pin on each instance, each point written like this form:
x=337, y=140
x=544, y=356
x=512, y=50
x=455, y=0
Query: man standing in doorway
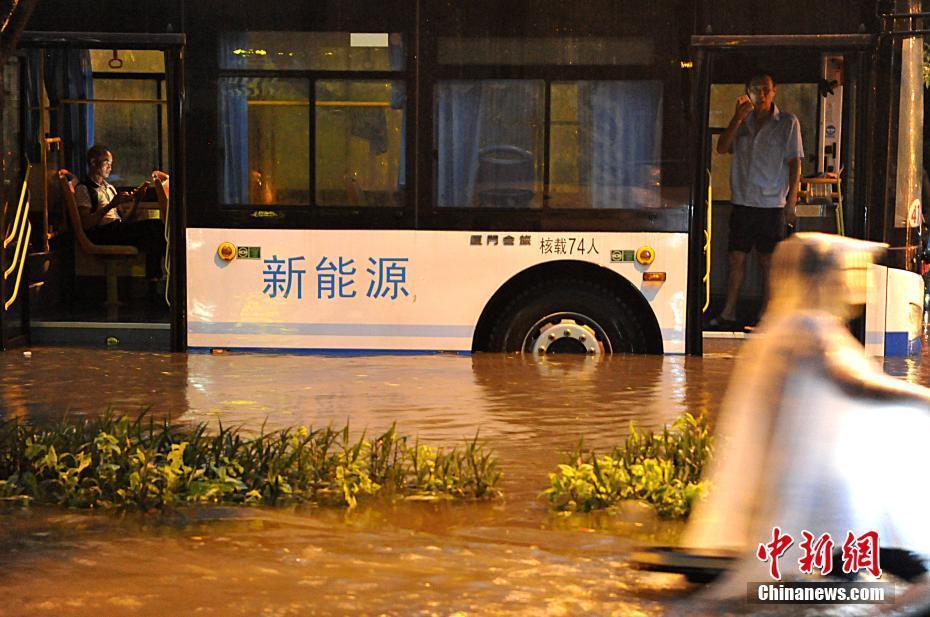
x=764, y=175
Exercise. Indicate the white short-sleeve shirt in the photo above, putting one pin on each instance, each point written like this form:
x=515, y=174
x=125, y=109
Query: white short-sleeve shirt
x=759, y=170
x=105, y=194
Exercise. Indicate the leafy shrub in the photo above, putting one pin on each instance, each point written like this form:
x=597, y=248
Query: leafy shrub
x=119, y=462
x=662, y=469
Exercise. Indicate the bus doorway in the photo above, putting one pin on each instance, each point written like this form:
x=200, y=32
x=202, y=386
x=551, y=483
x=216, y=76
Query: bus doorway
x=818, y=80
x=122, y=91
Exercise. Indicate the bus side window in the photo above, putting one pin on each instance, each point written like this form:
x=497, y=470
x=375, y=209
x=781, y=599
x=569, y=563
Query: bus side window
x=268, y=123
x=606, y=140
x=604, y=150
x=265, y=137
x=360, y=130
x=489, y=138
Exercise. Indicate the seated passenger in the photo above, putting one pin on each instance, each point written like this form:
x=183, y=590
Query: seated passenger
x=109, y=217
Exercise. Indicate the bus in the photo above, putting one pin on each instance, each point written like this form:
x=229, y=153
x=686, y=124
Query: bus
x=431, y=175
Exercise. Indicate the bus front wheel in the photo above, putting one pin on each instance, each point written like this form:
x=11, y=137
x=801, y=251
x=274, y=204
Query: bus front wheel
x=568, y=316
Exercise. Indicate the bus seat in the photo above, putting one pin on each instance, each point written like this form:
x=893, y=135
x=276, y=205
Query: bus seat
x=57, y=217
x=820, y=197
x=354, y=195
x=161, y=181
x=114, y=258
x=506, y=176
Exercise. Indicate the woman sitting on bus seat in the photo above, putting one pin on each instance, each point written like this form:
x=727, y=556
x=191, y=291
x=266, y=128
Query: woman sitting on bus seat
x=107, y=219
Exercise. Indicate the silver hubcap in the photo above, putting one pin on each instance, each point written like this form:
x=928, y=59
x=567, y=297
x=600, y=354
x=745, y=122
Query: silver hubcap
x=566, y=333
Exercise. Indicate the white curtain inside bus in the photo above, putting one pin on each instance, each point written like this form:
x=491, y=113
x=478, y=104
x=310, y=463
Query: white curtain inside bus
x=605, y=143
x=67, y=75
x=625, y=124
x=489, y=135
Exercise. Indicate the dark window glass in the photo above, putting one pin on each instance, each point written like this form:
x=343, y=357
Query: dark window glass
x=605, y=144
x=312, y=51
x=265, y=140
x=489, y=141
x=359, y=143
x=577, y=51
x=134, y=130
x=127, y=61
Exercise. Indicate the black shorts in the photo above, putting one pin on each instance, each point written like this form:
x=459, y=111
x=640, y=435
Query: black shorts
x=761, y=228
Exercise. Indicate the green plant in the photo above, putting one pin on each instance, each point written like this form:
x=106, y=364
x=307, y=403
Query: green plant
x=663, y=469
x=119, y=462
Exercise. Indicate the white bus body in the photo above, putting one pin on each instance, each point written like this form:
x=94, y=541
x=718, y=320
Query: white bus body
x=434, y=285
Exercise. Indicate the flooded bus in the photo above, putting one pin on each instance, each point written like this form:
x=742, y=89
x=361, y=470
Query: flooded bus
x=429, y=175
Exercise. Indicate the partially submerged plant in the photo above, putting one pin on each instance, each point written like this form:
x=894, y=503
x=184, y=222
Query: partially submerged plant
x=663, y=469
x=119, y=462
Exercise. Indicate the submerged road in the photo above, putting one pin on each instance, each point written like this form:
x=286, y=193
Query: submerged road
x=507, y=557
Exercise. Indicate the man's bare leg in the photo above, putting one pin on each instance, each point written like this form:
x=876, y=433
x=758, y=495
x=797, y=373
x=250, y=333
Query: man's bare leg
x=735, y=277
x=765, y=264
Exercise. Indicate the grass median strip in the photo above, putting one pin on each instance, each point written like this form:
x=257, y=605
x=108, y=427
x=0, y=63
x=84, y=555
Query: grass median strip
x=663, y=469
x=144, y=464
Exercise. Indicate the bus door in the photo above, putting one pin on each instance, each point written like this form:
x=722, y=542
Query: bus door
x=818, y=79
x=15, y=226
x=76, y=90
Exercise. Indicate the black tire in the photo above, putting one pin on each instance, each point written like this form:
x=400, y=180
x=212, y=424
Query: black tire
x=619, y=330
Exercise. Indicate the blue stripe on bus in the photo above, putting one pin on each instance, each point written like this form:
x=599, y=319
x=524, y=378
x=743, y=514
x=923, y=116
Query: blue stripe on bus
x=897, y=344
x=325, y=351
x=321, y=329
x=670, y=335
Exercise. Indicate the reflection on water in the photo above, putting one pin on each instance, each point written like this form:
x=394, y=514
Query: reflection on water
x=413, y=560
x=501, y=558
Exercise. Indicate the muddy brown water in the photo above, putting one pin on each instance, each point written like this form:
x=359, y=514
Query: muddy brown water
x=507, y=557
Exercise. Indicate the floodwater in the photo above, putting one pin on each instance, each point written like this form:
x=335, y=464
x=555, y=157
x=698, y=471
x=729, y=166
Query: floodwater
x=500, y=558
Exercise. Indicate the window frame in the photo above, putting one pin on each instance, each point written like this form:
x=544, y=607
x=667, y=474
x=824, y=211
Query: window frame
x=546, y=154
x=214, y=214
x=665, y=68
x=311, y=78
x=419, y=209
x=160, y=80
x=431, y=216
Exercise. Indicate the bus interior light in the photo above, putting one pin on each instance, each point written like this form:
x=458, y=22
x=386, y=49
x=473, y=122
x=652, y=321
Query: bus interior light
x=369, y=39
